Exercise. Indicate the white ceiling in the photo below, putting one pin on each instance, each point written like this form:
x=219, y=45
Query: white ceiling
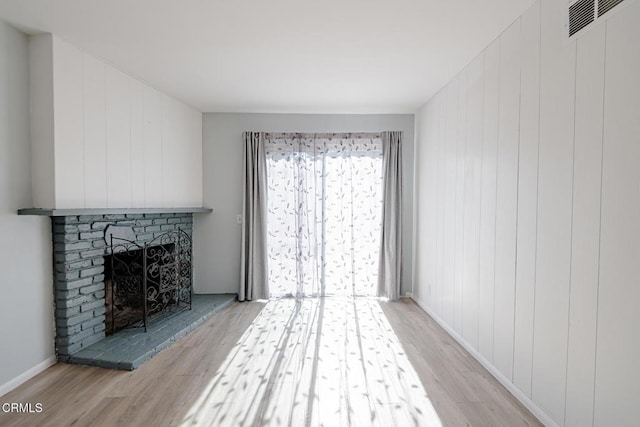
x=329, y=56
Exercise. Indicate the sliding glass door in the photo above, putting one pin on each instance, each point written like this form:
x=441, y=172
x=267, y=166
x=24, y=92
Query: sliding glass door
x=324, y=204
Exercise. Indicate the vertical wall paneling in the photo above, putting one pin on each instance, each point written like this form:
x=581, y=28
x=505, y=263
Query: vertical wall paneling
x=152, y=141
x=42, y=120
x=68, y=119
x=191, y=189
x=586, y=227
x=421, y=191
x=550, y=202
x=421, y=194
x=507, y=199
x=182, y=150
x=488, y=198
x=95, y=144
x=432, y=189
x=118, y=131
x=191, y=139
x=557, y=79
x=137, y=142
x=617, y=392
x=197, y=161
x=99, y=133
x=442, y=151
x=451, y=143
x=168, y=140
x=179, y=150
x=426, y=194
x=432, y=288
x=472, y=177
x=527, y=198
x=459, y=201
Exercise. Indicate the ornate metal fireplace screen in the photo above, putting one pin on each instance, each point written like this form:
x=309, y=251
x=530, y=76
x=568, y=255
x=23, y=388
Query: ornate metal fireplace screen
x=154, y=278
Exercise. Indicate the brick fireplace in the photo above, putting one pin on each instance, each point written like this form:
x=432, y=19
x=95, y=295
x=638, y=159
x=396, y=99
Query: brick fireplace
x=80, y=248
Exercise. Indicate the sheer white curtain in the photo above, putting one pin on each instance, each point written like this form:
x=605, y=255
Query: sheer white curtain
x=324, y=213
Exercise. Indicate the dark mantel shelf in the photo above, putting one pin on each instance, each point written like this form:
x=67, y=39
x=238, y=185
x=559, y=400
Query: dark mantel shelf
x=109, y=211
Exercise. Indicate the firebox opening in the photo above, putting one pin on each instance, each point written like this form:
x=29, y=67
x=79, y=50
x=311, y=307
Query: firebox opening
x=134, y=285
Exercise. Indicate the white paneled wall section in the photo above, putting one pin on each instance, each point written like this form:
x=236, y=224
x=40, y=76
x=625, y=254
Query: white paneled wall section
x=117, y=141
x=528, y=213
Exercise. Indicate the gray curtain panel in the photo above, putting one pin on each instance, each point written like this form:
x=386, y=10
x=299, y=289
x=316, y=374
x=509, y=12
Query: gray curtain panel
x=253, y=269
x=391, y=242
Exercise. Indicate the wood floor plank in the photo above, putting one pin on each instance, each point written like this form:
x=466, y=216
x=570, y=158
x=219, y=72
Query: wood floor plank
x=315, y=362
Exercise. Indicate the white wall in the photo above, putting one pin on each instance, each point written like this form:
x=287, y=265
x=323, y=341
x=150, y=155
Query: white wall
x=528, y=213
x=26, y=313
x=117, y=142
x=41, y=120
x=217, y=236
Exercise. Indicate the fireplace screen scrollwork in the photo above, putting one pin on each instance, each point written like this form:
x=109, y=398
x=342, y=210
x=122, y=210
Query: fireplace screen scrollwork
x=150, y=279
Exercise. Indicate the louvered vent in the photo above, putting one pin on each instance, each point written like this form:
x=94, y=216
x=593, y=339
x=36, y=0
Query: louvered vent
x=605, y=6
x=581, y=14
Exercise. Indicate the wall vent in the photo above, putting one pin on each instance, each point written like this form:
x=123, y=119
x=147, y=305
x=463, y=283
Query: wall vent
x=581, y=14
x=605, y=6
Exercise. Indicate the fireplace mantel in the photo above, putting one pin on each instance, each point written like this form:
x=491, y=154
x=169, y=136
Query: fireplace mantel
x=109, y=211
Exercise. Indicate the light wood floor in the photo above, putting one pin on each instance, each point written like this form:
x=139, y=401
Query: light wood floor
x=317, y=362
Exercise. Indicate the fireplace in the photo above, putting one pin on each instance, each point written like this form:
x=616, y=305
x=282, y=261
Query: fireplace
x=146, y=280
x=84, y=253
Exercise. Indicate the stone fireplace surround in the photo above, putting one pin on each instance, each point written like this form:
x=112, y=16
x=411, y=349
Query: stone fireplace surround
x=79, y=248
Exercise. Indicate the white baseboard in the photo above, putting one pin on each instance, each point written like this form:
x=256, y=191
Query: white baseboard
x=543, y=417
x=26, y=376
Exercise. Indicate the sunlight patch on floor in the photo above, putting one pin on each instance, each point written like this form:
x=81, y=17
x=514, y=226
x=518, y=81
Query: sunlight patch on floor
x=316, y=362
